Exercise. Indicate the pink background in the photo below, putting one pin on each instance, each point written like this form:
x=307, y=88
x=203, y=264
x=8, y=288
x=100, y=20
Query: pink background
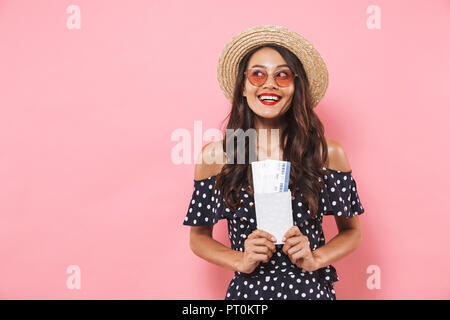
x=86, y=118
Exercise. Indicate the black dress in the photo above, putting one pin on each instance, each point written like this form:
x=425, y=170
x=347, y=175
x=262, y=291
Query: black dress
x=279, y=278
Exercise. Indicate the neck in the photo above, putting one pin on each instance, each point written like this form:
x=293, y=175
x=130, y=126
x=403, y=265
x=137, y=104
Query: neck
x=268, y=143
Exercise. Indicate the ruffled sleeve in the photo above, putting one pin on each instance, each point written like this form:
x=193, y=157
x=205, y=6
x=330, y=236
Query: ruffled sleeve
x=205, y=205
x=340, y=196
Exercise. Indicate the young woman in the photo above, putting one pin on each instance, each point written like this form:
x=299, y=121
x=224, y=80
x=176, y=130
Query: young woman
x=274, y=78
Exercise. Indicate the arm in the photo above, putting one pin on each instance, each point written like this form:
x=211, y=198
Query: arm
x=350, y=236
x=204, y=246
x=347, y=240
x=201, y=240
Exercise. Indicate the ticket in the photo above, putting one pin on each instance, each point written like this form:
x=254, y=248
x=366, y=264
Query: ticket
x=271, y=175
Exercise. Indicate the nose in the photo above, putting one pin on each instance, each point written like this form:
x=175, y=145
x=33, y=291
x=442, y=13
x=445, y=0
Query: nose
x=270, y=82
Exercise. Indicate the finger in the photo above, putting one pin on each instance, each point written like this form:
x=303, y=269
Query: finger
x=259, y=257
x=296, y=248
x=302, y=253
x=263, y=242
x=264, y=234
x=261, y=249
x=289, y=243
x=292, y=231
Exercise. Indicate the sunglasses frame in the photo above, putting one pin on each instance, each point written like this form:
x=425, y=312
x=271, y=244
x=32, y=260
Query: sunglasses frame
x=272, y=75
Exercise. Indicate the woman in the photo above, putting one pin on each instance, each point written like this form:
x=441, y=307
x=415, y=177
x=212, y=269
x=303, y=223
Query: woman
x=274, y=78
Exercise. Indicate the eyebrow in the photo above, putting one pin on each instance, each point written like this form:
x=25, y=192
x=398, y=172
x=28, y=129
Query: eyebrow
x=260, y=66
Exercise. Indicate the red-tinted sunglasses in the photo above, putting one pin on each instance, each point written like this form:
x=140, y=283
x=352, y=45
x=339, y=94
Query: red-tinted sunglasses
x=258, y=76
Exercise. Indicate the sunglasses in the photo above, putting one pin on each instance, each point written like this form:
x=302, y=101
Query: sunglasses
x=258, y=77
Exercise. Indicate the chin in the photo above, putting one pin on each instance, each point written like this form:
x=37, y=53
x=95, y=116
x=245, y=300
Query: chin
x=268, y=115
x=268, y=112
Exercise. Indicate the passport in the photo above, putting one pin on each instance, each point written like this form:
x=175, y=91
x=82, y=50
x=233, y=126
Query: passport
x=273, y=201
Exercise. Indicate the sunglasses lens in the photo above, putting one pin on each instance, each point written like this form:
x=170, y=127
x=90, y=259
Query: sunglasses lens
x=284, y=78
x=257, y=76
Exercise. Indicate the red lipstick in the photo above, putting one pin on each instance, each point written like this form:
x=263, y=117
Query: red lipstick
x=269, y=99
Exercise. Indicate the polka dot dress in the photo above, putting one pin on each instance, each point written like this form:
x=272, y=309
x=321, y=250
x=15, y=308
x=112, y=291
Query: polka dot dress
x=278, y=278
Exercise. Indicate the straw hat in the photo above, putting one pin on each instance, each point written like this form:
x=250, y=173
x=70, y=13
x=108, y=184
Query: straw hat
x=241, y=44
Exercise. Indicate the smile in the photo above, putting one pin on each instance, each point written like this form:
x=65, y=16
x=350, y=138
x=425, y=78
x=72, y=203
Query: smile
x=269, y=100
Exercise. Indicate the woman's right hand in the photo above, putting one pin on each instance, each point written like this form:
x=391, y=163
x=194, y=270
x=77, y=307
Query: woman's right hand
x=259, y=247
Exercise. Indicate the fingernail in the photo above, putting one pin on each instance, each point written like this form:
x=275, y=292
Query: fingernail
x=284, y=238
x=273, y=239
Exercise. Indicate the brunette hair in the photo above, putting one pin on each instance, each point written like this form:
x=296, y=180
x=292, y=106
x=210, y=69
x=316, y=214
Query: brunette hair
x=304, y=141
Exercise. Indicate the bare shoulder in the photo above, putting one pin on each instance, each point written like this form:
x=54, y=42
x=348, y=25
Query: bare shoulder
x=210, y=160
x=337, y=158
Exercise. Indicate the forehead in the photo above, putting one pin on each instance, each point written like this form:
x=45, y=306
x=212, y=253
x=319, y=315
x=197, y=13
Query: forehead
x=268, y=57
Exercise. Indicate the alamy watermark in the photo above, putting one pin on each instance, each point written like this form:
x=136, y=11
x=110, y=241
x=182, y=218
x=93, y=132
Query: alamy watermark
x=184, y=153
x=374, y=280
x=74, y=280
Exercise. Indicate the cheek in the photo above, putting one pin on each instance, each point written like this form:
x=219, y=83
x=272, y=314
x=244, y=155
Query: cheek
x=291, y=91
x=290, y=94
x=249, y=91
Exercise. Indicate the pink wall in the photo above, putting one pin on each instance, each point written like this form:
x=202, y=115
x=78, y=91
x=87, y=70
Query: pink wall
x=86, y=118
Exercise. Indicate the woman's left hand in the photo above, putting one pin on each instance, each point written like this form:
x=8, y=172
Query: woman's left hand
x=296, y=246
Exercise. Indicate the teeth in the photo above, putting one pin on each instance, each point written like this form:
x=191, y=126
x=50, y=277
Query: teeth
x=271, y=98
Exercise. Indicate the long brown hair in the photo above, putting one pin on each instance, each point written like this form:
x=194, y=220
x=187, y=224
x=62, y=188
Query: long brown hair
x=303, y=139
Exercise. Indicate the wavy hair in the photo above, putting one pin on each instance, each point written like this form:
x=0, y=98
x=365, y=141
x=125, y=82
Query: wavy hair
x=304, y=141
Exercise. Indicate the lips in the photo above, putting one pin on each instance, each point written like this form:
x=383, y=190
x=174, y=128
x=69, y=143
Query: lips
x=269, y=99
